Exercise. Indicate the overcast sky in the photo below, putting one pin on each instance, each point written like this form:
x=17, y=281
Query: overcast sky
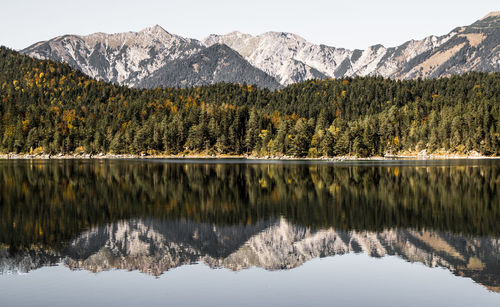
x=347, y=23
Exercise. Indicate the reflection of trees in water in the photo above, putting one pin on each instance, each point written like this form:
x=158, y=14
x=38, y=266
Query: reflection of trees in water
x=52, y=201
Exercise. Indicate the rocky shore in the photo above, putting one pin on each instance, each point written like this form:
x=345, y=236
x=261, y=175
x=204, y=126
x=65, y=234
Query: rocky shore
x=403, y=156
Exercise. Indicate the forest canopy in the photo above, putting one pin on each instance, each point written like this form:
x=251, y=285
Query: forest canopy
x=48, y=107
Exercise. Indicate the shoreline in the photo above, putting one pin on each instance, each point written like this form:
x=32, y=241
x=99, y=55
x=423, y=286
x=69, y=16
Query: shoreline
x=101, y=156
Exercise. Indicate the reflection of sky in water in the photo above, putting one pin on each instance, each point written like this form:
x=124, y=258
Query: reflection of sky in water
x=348, y=280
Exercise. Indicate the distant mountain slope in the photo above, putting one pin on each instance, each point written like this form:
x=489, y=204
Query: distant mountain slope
x=286, y=56
x=154, y=57
x=218, y=63
x=123, y=58
x=472, y=48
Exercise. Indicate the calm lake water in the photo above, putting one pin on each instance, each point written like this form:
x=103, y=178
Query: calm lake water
x=247, y=233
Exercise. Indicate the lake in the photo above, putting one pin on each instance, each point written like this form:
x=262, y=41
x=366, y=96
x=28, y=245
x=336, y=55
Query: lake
x=246, y=233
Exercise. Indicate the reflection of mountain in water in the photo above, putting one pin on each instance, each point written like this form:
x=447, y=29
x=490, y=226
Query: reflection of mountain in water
x=154, y=247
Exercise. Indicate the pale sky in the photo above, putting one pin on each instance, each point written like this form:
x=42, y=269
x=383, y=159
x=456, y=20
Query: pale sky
x=347, y=23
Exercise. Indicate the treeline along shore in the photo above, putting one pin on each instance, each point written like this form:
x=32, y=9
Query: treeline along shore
x=49, y=109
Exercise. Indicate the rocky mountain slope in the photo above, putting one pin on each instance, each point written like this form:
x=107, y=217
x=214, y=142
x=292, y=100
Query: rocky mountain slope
x=217, y=63
x=154, y=57
x=286, y=56
x=290, y=58
x=151, y=57
x=123, y=58
x=156, y=246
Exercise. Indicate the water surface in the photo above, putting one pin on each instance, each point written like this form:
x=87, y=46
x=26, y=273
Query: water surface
x=226, y=232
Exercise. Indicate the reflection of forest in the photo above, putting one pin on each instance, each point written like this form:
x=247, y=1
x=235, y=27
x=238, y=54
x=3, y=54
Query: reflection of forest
x=155, y=246
x=48, y=202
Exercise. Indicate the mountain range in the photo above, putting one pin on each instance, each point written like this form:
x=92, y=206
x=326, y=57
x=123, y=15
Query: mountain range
x=154, y=57
x=156, y=246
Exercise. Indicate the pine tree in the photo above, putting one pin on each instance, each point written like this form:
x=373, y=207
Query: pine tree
x=252, y=131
